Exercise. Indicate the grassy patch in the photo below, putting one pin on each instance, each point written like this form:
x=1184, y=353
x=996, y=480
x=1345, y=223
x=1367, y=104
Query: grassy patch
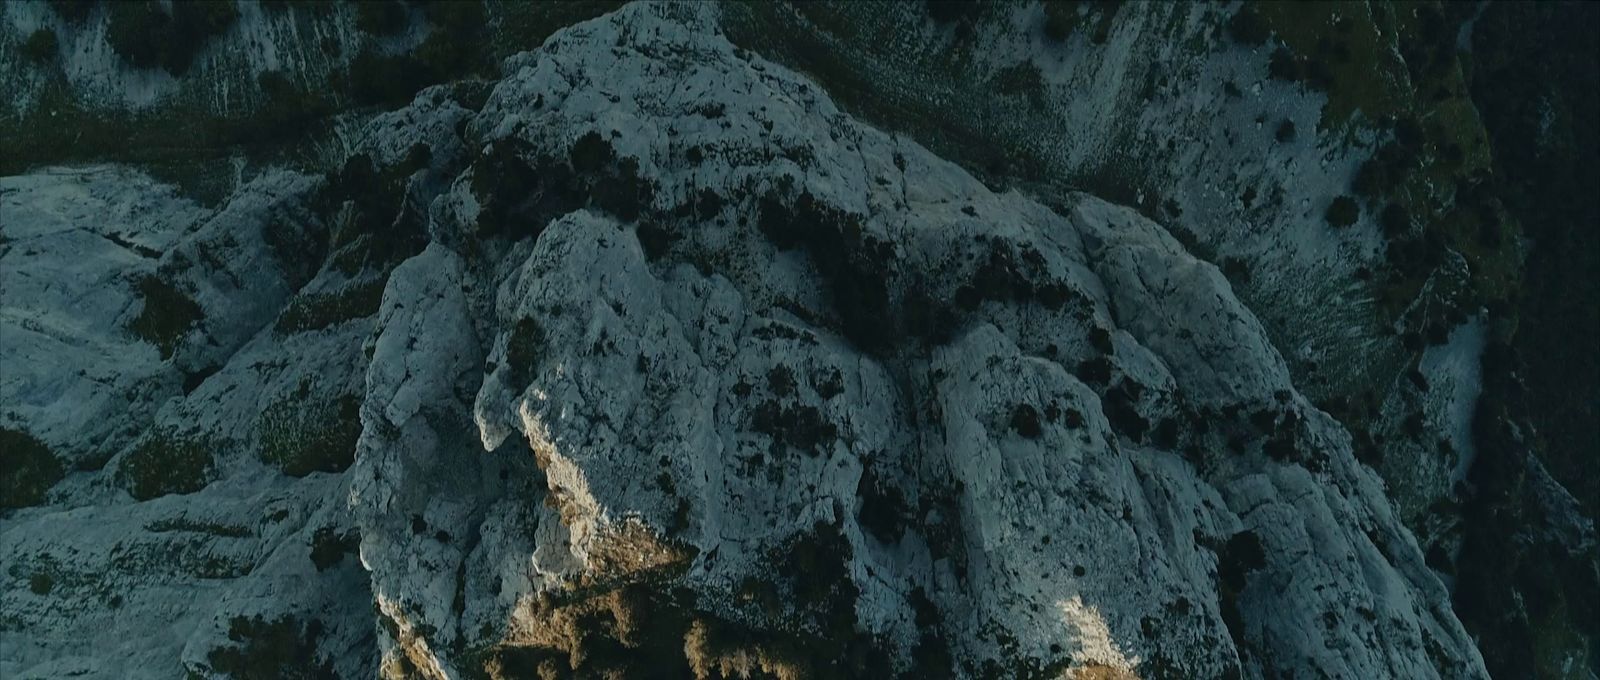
x=30, y=469
x=300, y=437
x=316, y=311
x=165, y=462
x=168, y=314
x=1347, y=47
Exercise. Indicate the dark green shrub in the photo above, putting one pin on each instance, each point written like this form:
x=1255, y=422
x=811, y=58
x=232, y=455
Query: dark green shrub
x=1373, y=179
x=1396, y=220
x=41, y=45
x=147, y=36
x=30, y=469
x=1283, y=65
x=74, y=11
x=272, y=650
x=377, y=78
x=1023, y=80
x=300, y=438
x=316, y=311
x=328, y=548
x=381, y=17
x=523, y=350
x=1343, y=211
x=286, y=109
x=1025, y=421
x=949, y=11
x=1060, y=19
x=1235, y=269
x=884, y=512
x=41, y=583
x=141, y=32
x=1285, y=131
x=167, y=314
x=1247, y=27
x=166, y=463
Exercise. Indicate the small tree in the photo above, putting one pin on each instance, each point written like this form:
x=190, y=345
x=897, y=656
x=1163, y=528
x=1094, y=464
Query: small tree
x=1343, y=211
x=41, y=45
x=1285, y=133
x=1248, y=28
x=1396, y=219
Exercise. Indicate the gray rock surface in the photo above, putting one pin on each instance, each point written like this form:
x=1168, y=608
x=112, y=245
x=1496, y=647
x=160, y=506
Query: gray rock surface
x=659, y=318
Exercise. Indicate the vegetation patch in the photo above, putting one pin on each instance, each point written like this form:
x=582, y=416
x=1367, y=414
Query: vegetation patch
x=316, y=311
x=856, y=266
x=30, y=469
x=1343, y=212
x=524, y=348
x=186, y=524
x=799, y=426
x=165, y=462
x=329, y=547
x=168, y=314
x=149, y=34
x=300, y=436
x=41, y=45
x=884, y=512
x=284, y=647
x=644, y=627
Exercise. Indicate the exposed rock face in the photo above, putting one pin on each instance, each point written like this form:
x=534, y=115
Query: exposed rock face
x=675, y=369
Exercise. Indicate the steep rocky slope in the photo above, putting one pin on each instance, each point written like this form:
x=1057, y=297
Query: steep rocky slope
x=643, y=356
x=672, y=360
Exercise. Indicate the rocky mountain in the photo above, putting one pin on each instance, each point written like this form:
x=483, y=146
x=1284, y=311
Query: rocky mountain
x=748, y=340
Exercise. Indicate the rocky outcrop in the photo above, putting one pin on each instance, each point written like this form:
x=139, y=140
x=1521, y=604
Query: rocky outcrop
x=675, y=370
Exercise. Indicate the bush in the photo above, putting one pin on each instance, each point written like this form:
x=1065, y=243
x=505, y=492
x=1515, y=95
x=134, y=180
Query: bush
x=523, y=350
x=41, y=583
x=1023, y=79
x=167, y=315
x=1285, y=131
x=30, y=469
x=1283, y=65
x=1025, y=421
x=329, y=548
x=1060, y=19
x=1235, y=269
x=1343, y=212
x=1373, y=179
x=74, y=11
x=948, y=11
x=146, y=36
x=282, y=648
x=166, y=463
x=41, y=45
x=381, y=17
x=316, y=311
x=1248, y=28
x=286, y=108
x=300, y=438
x=140, y=32
x=1396, y=220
